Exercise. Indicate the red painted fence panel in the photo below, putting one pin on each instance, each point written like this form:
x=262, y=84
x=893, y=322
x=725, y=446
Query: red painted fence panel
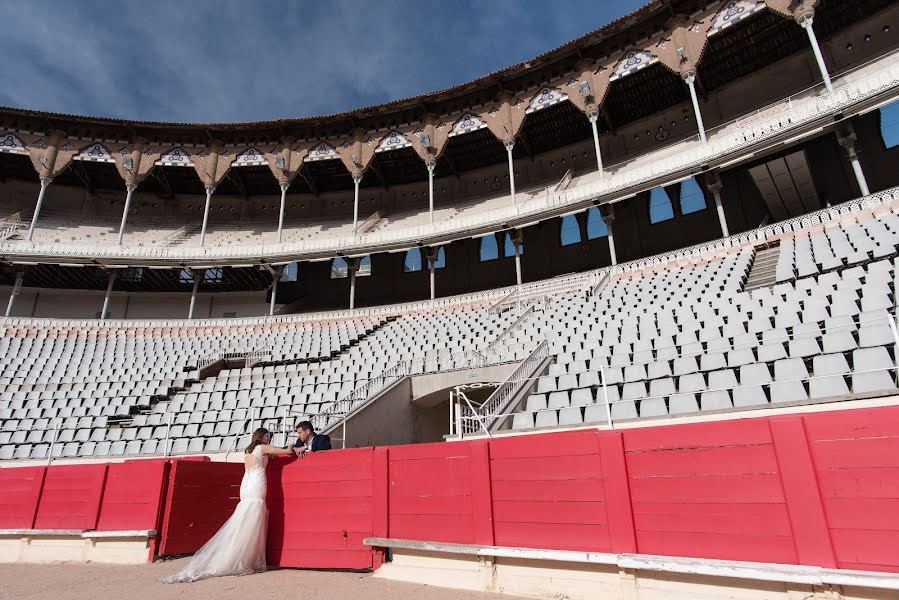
x=856, y=456
x=20, y=489
x=320, y=510
x=70, y=498
x=133, y=496
x=200, y=498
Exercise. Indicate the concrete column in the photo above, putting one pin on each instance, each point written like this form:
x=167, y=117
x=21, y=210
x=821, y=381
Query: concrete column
x=593, y=118
x=690, y=78
x=130, y=187
x=193, y=296
x=357, y=179
x=353, y=266
x=607, y=211
x=846, y=137
x=284, y=187
x=713, y=182
x=517, y=241
x=16, y=288
x=432, y=262
x=509, y=145
x=105, y=312
x=45, y=181
x=209, y=190
x=805, y=21
x=431, y=165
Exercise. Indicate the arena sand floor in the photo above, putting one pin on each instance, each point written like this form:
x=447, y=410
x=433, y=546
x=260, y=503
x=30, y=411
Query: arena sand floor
x=112, y=582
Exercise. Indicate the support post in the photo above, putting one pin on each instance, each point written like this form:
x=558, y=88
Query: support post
x=846, y=137
x=593, y=118
x=432, y=266
x=517, y=241
x=284, y=187
x=193, y=295
x=805, y=21
x=16, y=288
x=276, y=275
x=352, y=267
x=690, y=78
x=431, y=165
x=209, y=190
x=509, y=145
x=130, y=187
x=713, y=182
x=45, y=181
x=357, y=179
x=105, y=312
x=607, y=212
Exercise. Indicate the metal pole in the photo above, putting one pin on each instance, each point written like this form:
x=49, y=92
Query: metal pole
x=167, y=430
x=130, y=187
x=715, y=186
x=805, y=22
x=271, y=306
x=432, y=267
x=193, y=297
x=857, y=169
x=356, y=181
x=343, y=441
x=105, y=312
x=690, y=79
x=284, y=187
x=53, y=443
x=593, y=119
x=352, y=288
x=16, y=288
x=431, y=166
x=509, y=145
x=515, y=245
x=209, y=190
x=45, y=181
x=605, y=395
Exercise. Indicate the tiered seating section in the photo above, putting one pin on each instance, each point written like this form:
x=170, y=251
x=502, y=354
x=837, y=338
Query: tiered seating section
x=667, y=336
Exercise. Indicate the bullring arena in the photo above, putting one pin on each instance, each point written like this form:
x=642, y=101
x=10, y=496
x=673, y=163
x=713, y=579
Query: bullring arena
x=616, y=322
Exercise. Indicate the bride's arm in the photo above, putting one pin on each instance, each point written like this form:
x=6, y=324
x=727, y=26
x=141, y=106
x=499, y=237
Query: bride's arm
x=272, y=451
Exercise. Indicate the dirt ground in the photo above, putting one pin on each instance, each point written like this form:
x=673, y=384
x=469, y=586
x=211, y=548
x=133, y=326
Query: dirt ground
x=102, y=582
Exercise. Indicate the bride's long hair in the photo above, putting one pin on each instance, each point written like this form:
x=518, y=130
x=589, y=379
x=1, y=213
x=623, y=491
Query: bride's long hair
x=257, y=439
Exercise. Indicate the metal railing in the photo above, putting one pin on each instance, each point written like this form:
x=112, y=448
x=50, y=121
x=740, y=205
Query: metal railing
x=724, y=142
x=10, y=225
x=470, y=419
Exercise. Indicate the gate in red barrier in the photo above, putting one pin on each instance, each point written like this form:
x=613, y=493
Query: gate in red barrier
x=320, y=510
x=200, y=498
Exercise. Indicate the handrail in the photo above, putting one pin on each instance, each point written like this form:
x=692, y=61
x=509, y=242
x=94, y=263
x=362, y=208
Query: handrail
x=496, y=402
x=810, y=106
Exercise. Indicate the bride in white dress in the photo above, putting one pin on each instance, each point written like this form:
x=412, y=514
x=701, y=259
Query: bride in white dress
x=239, y=546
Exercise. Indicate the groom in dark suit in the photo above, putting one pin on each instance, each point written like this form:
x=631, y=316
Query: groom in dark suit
x=309, y=441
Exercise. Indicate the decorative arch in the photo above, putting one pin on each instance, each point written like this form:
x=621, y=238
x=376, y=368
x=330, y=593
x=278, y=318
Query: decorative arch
x=96, y=152
x=468, y=123
x=734, y=11
x=10, y=143
x=633, y=61
x=394, y=140
x=546, y=97
x=250, y=157
x=322, y=151
x=176, y=157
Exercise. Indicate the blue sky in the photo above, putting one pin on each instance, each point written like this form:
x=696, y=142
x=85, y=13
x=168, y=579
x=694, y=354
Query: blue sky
x=205, y=61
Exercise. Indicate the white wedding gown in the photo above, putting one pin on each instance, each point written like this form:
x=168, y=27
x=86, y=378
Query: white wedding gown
x=239, y=546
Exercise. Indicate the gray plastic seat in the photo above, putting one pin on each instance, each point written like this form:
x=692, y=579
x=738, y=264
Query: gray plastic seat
x=546, y=418
x=558, y=400
x=750, y=391
x=596, y=413
x=536, y=402
x=582, y=397
x=789, y=377
x=720, y=384
x=523, y=420
x=834, y=367
x=873, y=371
x=684, y=365
x=570, y=416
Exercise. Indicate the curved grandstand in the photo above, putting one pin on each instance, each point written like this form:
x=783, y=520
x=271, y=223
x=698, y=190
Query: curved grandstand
x=690, y=214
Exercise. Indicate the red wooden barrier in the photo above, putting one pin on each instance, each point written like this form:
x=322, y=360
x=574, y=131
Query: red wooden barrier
x=199, y=499
x=20, y=489
x=856, y=457
x=133, y=496
x=70, y=498
x=320, y=510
